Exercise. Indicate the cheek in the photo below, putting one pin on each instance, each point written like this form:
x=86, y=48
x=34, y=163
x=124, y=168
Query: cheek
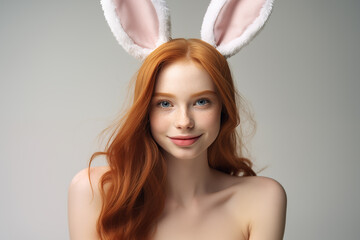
x=212, y=121
x=157, y=124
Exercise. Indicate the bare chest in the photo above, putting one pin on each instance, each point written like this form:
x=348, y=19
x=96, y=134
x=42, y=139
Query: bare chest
x=212, y=222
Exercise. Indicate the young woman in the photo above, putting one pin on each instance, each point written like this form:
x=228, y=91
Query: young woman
x=175, y=163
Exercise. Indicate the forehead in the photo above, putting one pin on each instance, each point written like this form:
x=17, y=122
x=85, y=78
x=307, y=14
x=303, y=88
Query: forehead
x=184, y=77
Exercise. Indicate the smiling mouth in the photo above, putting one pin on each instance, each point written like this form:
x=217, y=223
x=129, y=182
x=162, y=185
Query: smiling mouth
x=184, y=140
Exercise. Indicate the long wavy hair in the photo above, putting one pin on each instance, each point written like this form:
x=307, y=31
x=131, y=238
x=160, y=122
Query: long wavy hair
x=133, y=190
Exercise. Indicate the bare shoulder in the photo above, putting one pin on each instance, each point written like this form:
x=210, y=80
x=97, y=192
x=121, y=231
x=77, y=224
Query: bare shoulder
x=82, y=187
x=257, y=186
x=84, y=203
x=81, y=179
x=263, y=207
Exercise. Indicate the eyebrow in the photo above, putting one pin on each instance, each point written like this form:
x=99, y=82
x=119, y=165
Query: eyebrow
x=193, y=95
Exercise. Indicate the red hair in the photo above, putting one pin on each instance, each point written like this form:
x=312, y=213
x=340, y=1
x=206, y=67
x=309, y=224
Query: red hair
x=135, y=184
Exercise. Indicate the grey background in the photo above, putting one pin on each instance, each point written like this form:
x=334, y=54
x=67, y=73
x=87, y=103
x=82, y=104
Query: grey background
x=64, y=78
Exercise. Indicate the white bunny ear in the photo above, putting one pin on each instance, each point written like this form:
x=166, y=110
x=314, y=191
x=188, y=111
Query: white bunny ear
x=139, y=26
x=228, y=25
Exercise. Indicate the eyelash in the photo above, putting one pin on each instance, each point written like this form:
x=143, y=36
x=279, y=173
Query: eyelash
x=207, y=101
x=160, y=102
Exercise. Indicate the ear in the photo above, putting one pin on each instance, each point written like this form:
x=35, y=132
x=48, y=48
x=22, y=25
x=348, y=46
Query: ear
x=139, y=26
x=228, y=25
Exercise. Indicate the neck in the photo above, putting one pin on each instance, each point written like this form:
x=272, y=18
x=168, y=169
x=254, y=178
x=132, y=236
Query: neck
x=187, y=179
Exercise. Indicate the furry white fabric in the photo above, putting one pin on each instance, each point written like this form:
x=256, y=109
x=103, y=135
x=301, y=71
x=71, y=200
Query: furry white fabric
x=123, y=38
x=234, y=46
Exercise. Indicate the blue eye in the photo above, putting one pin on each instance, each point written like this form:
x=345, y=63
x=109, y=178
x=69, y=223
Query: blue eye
x=202, y=102
x=164, y=104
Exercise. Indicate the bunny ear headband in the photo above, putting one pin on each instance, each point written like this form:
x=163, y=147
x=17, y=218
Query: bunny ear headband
x=140, y=26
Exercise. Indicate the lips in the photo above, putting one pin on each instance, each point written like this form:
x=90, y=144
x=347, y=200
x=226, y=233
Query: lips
x=184, y=140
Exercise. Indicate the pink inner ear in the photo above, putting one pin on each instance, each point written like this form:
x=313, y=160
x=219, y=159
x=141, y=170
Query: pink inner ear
x=234, y=18
x=139, y=20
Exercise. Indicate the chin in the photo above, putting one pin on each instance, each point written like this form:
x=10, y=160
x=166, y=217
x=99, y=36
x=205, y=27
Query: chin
x=183, y=154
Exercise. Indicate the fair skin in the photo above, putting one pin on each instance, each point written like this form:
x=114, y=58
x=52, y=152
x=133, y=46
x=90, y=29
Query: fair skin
x=202, y=203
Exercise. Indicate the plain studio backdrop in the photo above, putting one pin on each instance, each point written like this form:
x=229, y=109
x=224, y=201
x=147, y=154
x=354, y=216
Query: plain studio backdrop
x=64, y=78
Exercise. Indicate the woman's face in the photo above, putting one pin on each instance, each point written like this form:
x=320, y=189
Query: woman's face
x=185, y=111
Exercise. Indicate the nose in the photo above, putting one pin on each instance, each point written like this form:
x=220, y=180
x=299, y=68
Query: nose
x=184, y=120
